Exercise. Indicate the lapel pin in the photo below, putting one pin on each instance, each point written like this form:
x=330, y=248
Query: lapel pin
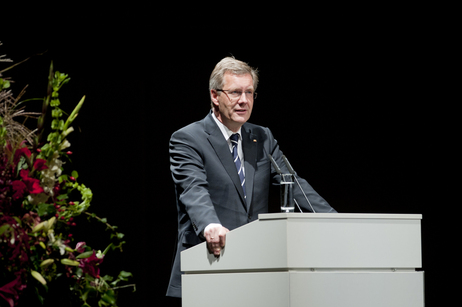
x=254, y=140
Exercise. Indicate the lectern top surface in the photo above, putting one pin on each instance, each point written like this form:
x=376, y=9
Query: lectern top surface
x=273, y=216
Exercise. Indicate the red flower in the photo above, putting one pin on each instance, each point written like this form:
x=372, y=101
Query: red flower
x=80, y=247
x=18, y=188
x=40, y=165
x=90, y=265
x=10, y=292
x=16, y=239
x=33, y=185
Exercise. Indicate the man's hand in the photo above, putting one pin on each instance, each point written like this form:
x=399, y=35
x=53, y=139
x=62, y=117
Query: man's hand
x=215, y=235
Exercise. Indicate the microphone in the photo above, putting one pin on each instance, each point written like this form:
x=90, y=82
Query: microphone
x=276, y=167
x=292, y=171
x=278, y=170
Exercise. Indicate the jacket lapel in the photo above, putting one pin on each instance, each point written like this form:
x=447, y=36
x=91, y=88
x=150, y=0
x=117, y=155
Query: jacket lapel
x=221, y=148
x=249, y=146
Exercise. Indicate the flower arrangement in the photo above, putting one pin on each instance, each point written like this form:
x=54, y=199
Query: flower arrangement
x=39, y=204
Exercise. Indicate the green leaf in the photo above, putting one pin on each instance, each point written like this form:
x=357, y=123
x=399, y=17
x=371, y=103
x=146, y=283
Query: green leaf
x=55, y=124
x=4, y=228
x=17, y=220
x=123, y=275
x=109, y=297
x=57, y=112
x=55, y=103
x=40, y=298
x=4, y=84
x=62, y=196
x=22, y=164
x=108, y=278
x=107, y=249
x=45, y=209
x=85, y=255
x=75, y=174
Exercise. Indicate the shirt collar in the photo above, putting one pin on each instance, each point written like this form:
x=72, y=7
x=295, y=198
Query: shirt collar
x=225, y=130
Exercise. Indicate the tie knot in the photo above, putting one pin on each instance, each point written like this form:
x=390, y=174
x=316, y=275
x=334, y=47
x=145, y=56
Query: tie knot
x=234, y=137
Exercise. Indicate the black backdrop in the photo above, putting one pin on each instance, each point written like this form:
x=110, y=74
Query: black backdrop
x=347, y=105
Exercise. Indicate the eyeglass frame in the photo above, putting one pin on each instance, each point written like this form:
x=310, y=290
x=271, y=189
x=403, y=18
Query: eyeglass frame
x=254, y=96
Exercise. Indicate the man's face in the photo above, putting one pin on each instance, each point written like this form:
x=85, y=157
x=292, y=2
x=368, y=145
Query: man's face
x=234, y=112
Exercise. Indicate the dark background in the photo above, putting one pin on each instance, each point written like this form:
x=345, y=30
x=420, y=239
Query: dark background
x=353, y=103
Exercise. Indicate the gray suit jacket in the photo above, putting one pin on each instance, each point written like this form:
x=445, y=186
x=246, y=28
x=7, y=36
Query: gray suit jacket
x=208, y=188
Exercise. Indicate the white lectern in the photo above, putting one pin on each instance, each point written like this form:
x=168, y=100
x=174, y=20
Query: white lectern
x=315, y=260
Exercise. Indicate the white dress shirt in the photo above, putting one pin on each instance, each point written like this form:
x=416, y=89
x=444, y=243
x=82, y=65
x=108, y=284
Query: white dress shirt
x=227, y=135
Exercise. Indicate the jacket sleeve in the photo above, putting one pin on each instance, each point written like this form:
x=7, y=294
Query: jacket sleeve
x=190, y=178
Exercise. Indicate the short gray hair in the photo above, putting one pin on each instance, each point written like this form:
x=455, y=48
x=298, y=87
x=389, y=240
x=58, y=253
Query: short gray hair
x=231, y=65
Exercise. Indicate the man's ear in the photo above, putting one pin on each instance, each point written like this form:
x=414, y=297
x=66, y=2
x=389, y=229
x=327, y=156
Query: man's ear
x=214, y=97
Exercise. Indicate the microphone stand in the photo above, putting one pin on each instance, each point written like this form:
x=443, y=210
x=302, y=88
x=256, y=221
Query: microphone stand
x=286, y=192
x=292, y=171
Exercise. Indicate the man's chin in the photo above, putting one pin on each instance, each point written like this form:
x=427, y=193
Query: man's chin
x=241, y=118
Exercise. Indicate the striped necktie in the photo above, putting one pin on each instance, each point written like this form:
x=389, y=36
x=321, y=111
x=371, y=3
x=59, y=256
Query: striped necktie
x=234, y=141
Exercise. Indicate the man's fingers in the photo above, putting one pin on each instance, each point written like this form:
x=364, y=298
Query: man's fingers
x=224, y=231
x=212, y=233
x=216, y=240
x=214, y=248
x=222, y=240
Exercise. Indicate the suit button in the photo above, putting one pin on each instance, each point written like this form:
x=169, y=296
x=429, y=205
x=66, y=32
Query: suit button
x=249, y=217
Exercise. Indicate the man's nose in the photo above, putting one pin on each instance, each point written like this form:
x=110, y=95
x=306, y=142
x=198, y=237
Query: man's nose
x=243, y=98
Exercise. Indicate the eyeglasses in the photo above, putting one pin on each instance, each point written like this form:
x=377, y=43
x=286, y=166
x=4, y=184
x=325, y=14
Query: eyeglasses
x=236, y=94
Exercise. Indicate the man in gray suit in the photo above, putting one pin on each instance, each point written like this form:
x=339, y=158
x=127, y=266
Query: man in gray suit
x=221, y=168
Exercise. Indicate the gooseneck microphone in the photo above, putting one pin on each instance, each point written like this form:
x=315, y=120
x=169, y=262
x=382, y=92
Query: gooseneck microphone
x=292, y=171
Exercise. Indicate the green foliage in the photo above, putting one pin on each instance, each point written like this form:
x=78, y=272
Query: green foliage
x=2, y=133
x=4, y=84
x=39, y=221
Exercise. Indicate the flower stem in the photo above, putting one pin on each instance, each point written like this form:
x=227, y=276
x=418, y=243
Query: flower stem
x=101, y=220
